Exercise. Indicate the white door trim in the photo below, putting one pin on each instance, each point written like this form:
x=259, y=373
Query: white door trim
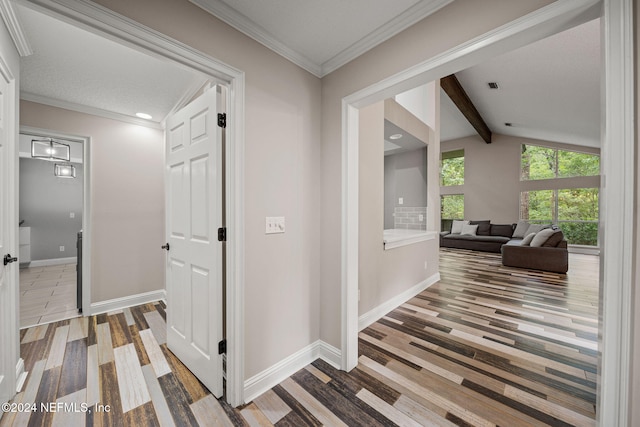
x=107, y=23
x=13, y=363
x=86, y=206
x=617, y=171
x=617, y=213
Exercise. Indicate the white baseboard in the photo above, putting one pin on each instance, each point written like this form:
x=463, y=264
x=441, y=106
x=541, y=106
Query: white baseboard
x=53, y=261
x=381, y=310
x=129, y=301
x=267, y=379
x=21, y=375
x=330, y=354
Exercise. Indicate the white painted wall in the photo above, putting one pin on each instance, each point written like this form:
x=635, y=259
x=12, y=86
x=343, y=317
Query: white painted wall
x=420, y=101
x=127, y=198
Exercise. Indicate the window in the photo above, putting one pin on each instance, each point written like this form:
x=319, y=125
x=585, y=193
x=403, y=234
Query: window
x=574, y=210
x=538, y=206
x=452, y=168
x=548, y=163
x=451, y=207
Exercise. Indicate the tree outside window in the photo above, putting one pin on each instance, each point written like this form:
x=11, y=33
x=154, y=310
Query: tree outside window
x=451, y=207
x=574, y=210
x=548, y=163
x=452, y=168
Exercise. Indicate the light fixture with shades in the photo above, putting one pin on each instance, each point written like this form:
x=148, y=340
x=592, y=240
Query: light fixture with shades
x=50, y=149
x=64, y=170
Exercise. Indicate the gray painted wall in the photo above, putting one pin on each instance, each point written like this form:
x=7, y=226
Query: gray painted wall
x=45, y=204
x=405, y=175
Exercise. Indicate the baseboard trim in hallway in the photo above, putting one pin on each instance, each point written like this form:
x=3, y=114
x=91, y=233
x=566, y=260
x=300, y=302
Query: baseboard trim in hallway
x=129, y=301
x=377, y=313
x=270, y=377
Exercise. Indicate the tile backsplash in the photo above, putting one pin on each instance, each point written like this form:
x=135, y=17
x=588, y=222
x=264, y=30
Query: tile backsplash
x=408, y=218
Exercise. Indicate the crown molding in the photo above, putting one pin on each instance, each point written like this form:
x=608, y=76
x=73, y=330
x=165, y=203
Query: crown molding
x=411, y=16
x=248, y=27
x=14, y=26
x=45, y=100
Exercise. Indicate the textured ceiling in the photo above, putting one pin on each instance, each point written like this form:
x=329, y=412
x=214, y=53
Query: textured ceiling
x=78, y=67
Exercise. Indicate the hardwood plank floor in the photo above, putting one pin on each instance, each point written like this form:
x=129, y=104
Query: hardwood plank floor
x=486, y=346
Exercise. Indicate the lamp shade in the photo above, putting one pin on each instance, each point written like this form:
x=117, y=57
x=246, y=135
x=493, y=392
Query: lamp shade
x=64, y=170
x=49, y=149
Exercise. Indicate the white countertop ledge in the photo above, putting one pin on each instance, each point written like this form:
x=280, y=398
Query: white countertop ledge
x=395, y=238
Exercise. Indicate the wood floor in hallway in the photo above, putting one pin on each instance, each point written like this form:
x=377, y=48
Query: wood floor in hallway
x=486, y=346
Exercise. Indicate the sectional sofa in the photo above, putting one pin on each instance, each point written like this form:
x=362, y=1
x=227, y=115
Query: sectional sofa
x=523, y=245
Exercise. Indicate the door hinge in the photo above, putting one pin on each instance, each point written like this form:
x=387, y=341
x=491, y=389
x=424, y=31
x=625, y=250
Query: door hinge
x=222, y=347
x=222, y=234
x=222, y=120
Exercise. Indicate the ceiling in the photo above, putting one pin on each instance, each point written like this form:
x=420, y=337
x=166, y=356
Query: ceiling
x=406, y=141
x=75, y=69
x=321, y=36
x=549, y=90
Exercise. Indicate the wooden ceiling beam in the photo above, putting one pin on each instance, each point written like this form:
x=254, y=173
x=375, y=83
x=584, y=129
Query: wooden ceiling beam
x=456, y=92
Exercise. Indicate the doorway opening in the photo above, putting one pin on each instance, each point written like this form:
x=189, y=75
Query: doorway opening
x=616, y=207
x=131, y=35
x=54, y=222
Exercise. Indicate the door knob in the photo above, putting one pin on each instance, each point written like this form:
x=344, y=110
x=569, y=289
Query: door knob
x=165, y=246
x=8, y=259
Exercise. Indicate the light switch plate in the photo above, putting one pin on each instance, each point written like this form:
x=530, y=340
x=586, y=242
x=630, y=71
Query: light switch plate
x=401, y=201
x=274, y=225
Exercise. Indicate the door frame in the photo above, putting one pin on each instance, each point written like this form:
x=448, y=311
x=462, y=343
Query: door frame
x=86, y=205
x=106, y=23
x=617, y=169
x=10, y=361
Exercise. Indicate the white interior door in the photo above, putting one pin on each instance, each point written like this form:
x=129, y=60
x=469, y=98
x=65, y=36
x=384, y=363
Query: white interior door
x=194, y=258
x=9, y=266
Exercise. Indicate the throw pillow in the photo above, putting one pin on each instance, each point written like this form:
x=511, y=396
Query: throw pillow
x=527, y=239
x=469, y=230
x=521, y=230
x=541, y=237
x=554, y=240
x=456, y=227
x=484, y=227
x=534, y=228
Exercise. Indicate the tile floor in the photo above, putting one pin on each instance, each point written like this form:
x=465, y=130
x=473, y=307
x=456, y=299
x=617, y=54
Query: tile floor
x=47, y=294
